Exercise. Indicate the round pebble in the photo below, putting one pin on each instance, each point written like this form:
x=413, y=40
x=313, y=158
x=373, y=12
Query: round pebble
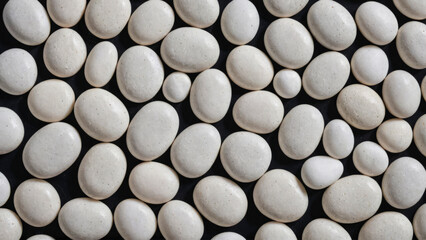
x=410, y=43
x=322, y=228
x=51, y=100
x=361, y=107
x=300, y=131
x=84, y=218
x=151, y=22
x=18, y=71
x=220, y=200
x=101, y=115
x=414, y=9
x=176, y=87
x=370, y=65
x=387, y=225
x=258, y=111
x=154, y=182
x=27, y=21
x=419, y=222
x=352, y=199
x=274, y=231
x=249, y=67
x=4, y=189
x=51, y=150
x=11, y=130
x=395, y=135
x=370, y=159
x=66, y=13
x=326, y=75
x=64, y=53
x=404, y=182
x=284, y=8
x=100, y=64
x=287, y=83
x=37, y=202
x=321, y=171
x=245, y=156
x=135, y=220
x=289, y=43
x=210, y=95
x=338, y=139
x=107, y=18
x=228, y=235
x=41, y=237
x=197, y=13
x=160, y=122
x=195, y=149
x=10, y=225
x=420, y=134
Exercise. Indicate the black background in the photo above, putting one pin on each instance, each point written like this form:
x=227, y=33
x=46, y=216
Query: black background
x=67, y=185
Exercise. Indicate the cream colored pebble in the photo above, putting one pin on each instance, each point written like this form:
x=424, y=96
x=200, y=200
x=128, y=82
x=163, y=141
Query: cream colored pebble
x=100, y=64
x=287, y=83
x=387, y=225
x=370, y=65
x=66, y=13
x=4, y=189
x=420, y=134
x=11, y=130
x=284, y=8
x=414, y=9
x=10, y=225
x=395, y=135
x=41, y=237
x=419, y=222
x=322, y=228
x=228, y=236
x=410, y=43
x=370, y=159
x=197, y=13
x=321, y=171
x=274, y=231
x=338, y=139
x=176, y=87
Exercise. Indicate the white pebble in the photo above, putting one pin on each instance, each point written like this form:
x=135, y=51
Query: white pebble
x=370, y=159
x=321, y=171
x=228, y=235
x=338, y=139
x=176, y=87
x=10, y=225
x=100, y=64
x=423, y=88
x=287, y=83
x=284, y=8
x=40, y=237
x=66, y=13
x=387, y=225
x=322, y=228
x=197, y=13
x=419, y=222
x=274, y=231
x=420, y=134
x=411, y=42
x=4, y=189
x=394, y=135
x=370, y=65
x=414, y=9
x=11, y=130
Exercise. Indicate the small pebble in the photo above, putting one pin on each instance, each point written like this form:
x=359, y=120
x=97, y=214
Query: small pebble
x=387, y=225
x=420, y=134
x=100, y=64
x=394, y=135
x=287, y=83
x=228, y=235
x=411, y=42
x=66, y=13
x=322, y=228
x=11, y=130
x=41, y=237
x=370, y=159
x=414, y=9
x=338, y=139
x=4, y=189
x=284, y=8
x=320, y=172
x=419, y=222
x=274, y=231
x=370, y=65
x=10, y=225
x=197, y=13
x=176, y=87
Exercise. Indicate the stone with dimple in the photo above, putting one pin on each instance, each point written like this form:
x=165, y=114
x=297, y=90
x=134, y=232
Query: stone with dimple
x=322, y=228
x=66, y=13
x=176, y=87
x=370, y=159
x=321, y=171
x=338, y=139
x=4, y=189
x=11, y=130
x=394, y=135
x=420, y=134
x=228, y=236
x=414, y=9
x=411, y=42
x=274, y=231
x=419, y=222
x=387, y=225
x=287, y=83
x=197, y=13
x=370, y=65
x=284, y=8
x=10, y=225
x=100, y=64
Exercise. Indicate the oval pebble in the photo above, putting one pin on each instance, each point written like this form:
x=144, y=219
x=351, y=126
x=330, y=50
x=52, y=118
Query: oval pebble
x=151, y=22
x=100, y=64
x=210, y=95
x=195, y=149
x=4, y=189
x=160, y=122
x=245, y=156
x=284, y=8
x=326, y=75
x=197, y=13
x=51, y=100
x=51, y=150
x=11, y=130
x=18, y=71
x=66, y=13
x=387, y=225
x=37, y=202
x=64, y=53
x=332, y=25
x=419, y=222
x=420, y=134
x=101, y=115
x=179, y=220
x=140, y=74
x=361, y=107
x=338, y=139
x=189, y=49
x=258, y=111
x=135, y=220
x=370, y=159
x=401, y=94
x=394, y=135
x=322, y=228
x=220, y=200
x=41, y=237
x=300, y=131
x=228, y=235
x=85, y=218
x=423, y=88
x=287, y=83
x=176, y=87
x=239, y=22
x=154, y=182
x=321, y=171
x=376, y=22
x=414, y=9
x=274, y=231
x=10, y=225
x=27, y=21
x=404, y=182
x=249, y=67
x=352, y=199
x=410, y=43
x=370, y=65
x=289, y=43
x=107, y=18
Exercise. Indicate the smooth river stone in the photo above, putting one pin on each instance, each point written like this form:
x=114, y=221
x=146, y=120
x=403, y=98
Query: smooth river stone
x=414, y=9
x=423, y=88
x=4, y=189
x=64, y=53
x=411, y=42
x=220, y=200
x=102, y=171
x=370, y=159
x=289, y=43
x=197, y=13
x=274, y=231
x=189, y=49
x=11, y=130
x=159, y=121
x=245, y=156
x=395, y=135
x=352, y=199
x=300, y=131
x=284, y=8
x=419, y=222
x=420, y=134
x=249, y=67
x=66, y=13
x=321, y=171
x=37, y=202
x=100, y=64
x=10, y=225
x=40, y=237
x=195, y=149
x=338, y=139
x=228, y=235
x=370, y=65
x=258, y=111
x=361, y=107
x=326, y=75
x=107, y=18
x=85, y=218
x=101, y=115
x=322, y=228
x=179, y=220
x=18, y=71
x=176, y=87
x=27, y=21
x=51, y=150
x=239, y=22
x=135, y=220
x=140, y=74
x=287, y=83
x=387, y=225
x=210, y=95
x=151, y=22
x=404, y=182
x=51, y=100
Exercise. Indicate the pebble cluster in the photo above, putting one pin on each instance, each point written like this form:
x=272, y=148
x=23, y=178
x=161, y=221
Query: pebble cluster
x=266, y=77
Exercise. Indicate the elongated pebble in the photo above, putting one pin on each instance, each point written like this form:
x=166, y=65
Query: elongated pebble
x=197, y=13
x=394, y=135
x=414, y=9
x=66, y=13
x=322, y=228
x=176, y=87
x=4, y=189
x=338, y=139
x=387, y=225
x=410, y=42
x=228, y=236
x=370, y=159
x=10, y=225
x=40, y=237
x=274, y=231
x=321, y=171
x=287, y=83
x=284, y=8
x=11, y=130
x=420, y=134
x=100, y=64
x=419, y=222
x=370, y=65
